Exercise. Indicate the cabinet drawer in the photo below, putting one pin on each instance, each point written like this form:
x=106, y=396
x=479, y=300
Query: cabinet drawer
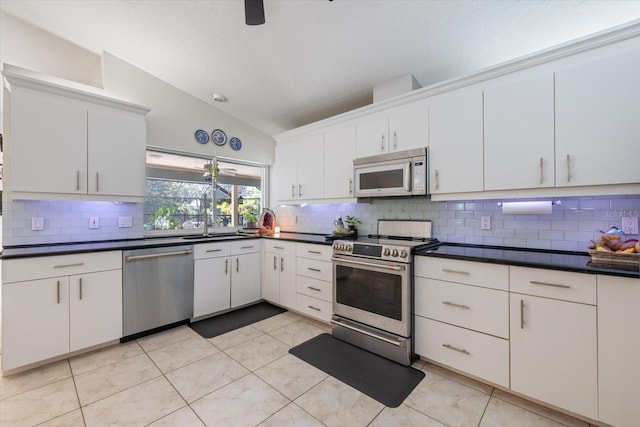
x=478, y=354
x=17, y=270
x=563, y=285
x=245, y=246
x=279, y=246
x=318, y=252
x=487, y=275
x=210, y=250
x=480, y=309
x=314, y=307
x=317, y=269
x=315, y=288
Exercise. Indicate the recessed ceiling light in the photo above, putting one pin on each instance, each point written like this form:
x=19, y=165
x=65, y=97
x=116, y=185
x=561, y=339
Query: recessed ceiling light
x=218, y=97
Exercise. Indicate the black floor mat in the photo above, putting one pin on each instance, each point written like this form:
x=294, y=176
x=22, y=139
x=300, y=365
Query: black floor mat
x=381, y=379
x=214, y=326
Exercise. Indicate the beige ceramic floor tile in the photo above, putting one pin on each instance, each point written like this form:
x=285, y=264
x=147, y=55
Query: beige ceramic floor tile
x=110, y=379
x=39, y=405
x=500, y=413
x=418, y=364
x=104, y=356
x=291, y=416
x=403, y=416
x=245, y=402
x=291, y=376
x=233, y=338
x=437, y=397
x=179, y=354
x=318, y=324
x=155, y=341
x=34, y=378
x=184, y=417
x=72, y=419
x=336, y=404
x=296, y=333
x=276, y=322
x=464, y=380
x=135, y=406
x=258, y=352
x=538, y=409
x=204, y=376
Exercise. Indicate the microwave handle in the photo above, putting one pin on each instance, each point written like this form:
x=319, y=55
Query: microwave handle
x=407, y=181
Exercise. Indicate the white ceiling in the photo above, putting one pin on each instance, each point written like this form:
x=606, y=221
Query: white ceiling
x=314, y=58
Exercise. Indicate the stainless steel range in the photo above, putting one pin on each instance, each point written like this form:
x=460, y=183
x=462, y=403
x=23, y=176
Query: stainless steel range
x=373, y=288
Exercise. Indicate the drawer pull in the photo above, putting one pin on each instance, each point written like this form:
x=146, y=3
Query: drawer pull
x=314, y=289
x=521, y=314
x=314, y=308
x=446, y=270
x=278, y=247
x=555, y=285
x=69, y=265
x=246, y=247
x=214, y=250
x=459, y=350
x=453, y=304
x=315, y=252
x=317, y=270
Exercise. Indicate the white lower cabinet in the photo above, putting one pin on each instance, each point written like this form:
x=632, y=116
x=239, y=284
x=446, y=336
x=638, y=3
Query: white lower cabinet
x=245, y=279
x=279, y=272
x=554, y=342
x=618, y=350
x=60, y=304
x=314, y=281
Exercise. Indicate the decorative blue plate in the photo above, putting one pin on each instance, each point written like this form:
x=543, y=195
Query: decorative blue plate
x=235, y=143
x=202, y=137
x=219, y=137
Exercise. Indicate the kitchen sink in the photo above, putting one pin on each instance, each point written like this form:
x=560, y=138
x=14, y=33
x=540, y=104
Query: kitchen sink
x=212, y=236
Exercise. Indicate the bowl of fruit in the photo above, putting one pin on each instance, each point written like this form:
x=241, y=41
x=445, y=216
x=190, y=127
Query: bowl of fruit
x=614, y=248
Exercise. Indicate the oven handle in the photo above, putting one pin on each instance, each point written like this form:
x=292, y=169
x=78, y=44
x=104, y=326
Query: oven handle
x=370, y=264
x=344, y=325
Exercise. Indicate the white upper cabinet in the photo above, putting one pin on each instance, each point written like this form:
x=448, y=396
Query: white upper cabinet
x=299, y=171
x=339, y=152
x=400, y=128
x=455, y=143
x=519, y=132
x=598, y=117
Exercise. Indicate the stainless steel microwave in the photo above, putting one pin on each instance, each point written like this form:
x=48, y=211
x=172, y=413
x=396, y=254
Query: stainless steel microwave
x=403, y=173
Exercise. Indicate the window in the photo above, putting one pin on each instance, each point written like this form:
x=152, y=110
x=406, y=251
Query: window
x=184, y=191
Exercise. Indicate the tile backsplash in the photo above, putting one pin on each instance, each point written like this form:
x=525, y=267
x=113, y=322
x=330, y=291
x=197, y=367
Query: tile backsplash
x=68, y=221
x=571, y=225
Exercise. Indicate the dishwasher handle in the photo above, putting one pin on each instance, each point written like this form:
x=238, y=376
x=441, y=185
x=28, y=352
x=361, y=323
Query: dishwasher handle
x=137, y=257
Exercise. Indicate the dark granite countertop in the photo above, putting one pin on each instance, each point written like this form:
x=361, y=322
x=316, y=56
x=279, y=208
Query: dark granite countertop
x=320, y=239
x=539, y=258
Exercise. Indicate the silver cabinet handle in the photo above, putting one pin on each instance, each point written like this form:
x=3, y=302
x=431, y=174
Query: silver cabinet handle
x=555, y=285
x=521, y=314
x=278, y=247
x=293, y=189
x=80, y=286
x=275, y=262
x=77, y=180
x=214, y=250
x=437, y=179
x=97, y=183
x=226, y=267
x=382, y=142
x=568, y=168
x=237, y=265
x=314, y=308
x=314, y=269
x=395, y=140
x=299, y=190
x=315, y=252
x=281, y=264
x=58, y=291
x=446, y=270
x=137, y=257
x=453, y=304
x=459, y=350
x=78, y=264
x=246, y=247
x=541, y=170
x=350, y=185
x=314, y=289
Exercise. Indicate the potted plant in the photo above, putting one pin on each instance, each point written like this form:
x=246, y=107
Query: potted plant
x=251, y=220
x=351, y=222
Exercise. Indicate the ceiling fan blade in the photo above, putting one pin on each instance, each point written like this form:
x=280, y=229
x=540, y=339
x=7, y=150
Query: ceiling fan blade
x=254, y=12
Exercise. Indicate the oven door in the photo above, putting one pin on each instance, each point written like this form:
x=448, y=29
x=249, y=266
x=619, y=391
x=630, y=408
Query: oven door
x=375, y=293
x=383, y=179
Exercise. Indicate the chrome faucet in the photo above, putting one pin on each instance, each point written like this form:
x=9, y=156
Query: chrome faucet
x=205, y=228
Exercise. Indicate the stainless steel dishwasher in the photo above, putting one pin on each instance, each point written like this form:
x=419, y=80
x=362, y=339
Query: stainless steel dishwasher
x=157, y=288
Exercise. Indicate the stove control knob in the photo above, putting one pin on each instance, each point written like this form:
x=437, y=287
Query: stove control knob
x=340, y=246
x=347, y=248
x=394, y=253
x=403, y=254
x=335, y=246
x=387, y=252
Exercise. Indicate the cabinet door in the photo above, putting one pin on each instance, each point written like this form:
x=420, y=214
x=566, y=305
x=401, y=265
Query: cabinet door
x=271, y=277
x=618, y=349
x=212, y=285
x=409, y=126
x=372, y=135
x=310, y=167
x=553, y=352
x=288, y=281
x=245, y=279
x=519, y=133
x=339, y=152
x=285, y=173
x=116, y=152
x=598, y=121
x=48, y=144
x=95, y=313
x=455, y=145
x=35, y=321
